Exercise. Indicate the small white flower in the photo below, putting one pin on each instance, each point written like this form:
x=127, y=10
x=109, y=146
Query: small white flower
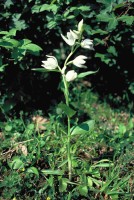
x=80, y=26
x=79, y=61
x=87, y=44
x=71, y=75
x=71, y=38
x=51, y=63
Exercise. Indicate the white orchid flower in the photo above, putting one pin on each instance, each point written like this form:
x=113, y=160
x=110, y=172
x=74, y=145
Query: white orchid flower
x=80, y=26
x=71, y=75
x=71, y=38
x=87, y=44
x=79, y=61
x=51, y=63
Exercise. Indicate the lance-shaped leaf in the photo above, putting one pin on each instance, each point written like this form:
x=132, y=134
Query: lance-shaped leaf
x=69, y=111
x=83, y=128
x=82, y=75
x=33, y=170
x=45, y=70
x=53, y=172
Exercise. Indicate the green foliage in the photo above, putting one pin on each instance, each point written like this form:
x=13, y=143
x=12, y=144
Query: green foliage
x=18, y=48
x=35, y=159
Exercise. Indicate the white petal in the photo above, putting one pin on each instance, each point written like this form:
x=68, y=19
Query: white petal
x=71, y=38
x=70, y=42
x=75, y=35
x=52, y=58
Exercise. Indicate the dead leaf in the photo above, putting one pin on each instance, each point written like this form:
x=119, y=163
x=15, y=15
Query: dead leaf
x=40, y=122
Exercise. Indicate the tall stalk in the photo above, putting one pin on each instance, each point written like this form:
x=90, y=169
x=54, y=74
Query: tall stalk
x=66, y=94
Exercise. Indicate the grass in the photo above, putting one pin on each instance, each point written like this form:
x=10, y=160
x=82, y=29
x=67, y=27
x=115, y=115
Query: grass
x=33, y=161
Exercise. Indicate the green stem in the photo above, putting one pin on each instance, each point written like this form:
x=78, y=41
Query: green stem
x=66, y=93
x=69, y=152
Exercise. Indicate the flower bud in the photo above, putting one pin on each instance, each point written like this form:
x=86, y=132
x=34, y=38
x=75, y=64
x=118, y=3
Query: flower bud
x=71, y=75
x=80, y=26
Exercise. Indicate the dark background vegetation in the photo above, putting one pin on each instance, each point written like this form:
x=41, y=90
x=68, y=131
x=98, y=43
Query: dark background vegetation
x=109, y=23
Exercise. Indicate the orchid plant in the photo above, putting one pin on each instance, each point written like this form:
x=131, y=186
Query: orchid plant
x=74, y=40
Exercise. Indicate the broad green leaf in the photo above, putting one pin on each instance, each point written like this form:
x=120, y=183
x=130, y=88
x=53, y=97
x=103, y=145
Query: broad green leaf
x=69, y=111
x=16, y=163
x=63, y=184
x=53, y=172
x=33, y=170
x=112, y=24
x=45, y=7
x=83, y=128
x=84, y=8
x=12, y=32
x=122, y=128
x=35, y=9
x=104, y=58
x=14, y=42
x=25, y=42
x=45, y=70
x=8, y=3
x=51, y=24
x=83, y=190
x=48, y=7
x=112, y=50
x=118, y=6
x=31, y=126
x=32, y=47
x=6, y=44
x=127, y=19
x=82, y=75
x=8, y=128
x=104, y=17
x=98, y=41
x=90, y=182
